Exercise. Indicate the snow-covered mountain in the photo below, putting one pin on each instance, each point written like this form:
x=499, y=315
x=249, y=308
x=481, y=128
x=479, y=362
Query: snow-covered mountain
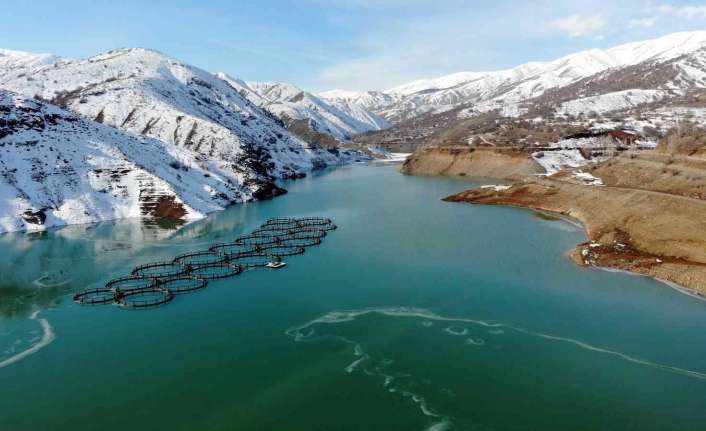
x=371, y=101
x=15, y=60
x=224, y=147
x=291, y=103
x=680, y=54
x=147, y=93
x=58, y=168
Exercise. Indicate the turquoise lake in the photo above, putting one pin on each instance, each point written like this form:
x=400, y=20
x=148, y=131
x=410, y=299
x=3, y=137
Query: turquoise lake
x=414, y=314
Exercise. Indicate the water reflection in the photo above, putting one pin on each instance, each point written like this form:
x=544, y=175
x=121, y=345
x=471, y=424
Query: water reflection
x=38, y=269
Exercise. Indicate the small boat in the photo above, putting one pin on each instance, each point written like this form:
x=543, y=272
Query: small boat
x=276, y=265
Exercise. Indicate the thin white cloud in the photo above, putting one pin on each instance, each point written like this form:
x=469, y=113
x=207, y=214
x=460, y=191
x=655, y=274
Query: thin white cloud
x=403, y=50
x=578, y=25
x=642, y=22
x=684, y=11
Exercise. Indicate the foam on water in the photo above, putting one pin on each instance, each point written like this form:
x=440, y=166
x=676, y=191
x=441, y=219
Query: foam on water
x=438, y=426
x=340, y=316
x=42, y=281
x=47, y=337
x=475, y=341
x=349, y=369
x=455, y=330
x=396, y=383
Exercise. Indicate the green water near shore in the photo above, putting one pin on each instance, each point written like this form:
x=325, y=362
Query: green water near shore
x=415, y=314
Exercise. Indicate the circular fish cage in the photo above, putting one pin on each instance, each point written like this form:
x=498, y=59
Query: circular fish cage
x=317, y=224
x=145, y=298
x=270, y=232
x=288, y=233
x=326, y=227
x=306, y=234
x=256, y=241
x=314, y=221
x=284, y=250
x=212, y=271
x=232, y=249
x=300, y=242
x=280, y=221
x=131, y=283
x=277, y=227
x=159, y=270
x=95, y=296
x=256, y=260
x=183, y=283
x=200, y=257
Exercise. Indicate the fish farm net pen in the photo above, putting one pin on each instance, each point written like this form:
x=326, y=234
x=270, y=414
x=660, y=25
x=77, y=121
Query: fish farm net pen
x=157, y=283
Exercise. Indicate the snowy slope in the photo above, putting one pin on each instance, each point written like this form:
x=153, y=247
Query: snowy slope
x=373, y=101
x=145, y=92
x=290, y=102
x=609, y=102
x=11, y=61
x=58, y=168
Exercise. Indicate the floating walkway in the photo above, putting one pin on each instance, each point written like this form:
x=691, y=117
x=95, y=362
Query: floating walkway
x=157, y=283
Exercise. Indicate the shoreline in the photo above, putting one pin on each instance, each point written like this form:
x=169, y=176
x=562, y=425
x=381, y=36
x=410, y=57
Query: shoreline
x=182, y=223
x=577, y=223
x=611, y=244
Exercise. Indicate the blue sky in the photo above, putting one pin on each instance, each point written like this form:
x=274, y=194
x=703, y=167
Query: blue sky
x=353, y=44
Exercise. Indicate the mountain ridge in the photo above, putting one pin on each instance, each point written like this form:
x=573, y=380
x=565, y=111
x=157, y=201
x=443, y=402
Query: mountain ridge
x=486, y=90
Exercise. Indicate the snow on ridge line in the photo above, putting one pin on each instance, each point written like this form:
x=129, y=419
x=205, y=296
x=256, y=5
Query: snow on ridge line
x=495, y=89
x=661, y=48
x=12, y=60
x=147, y=93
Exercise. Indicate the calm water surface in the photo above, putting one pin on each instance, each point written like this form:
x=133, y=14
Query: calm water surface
x=415, y=314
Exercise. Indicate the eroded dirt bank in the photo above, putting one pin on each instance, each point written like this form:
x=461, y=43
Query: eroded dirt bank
x=643, y=231
x=505, y=163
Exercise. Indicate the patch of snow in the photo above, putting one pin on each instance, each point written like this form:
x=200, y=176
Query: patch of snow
x=497, y=188
x=555, y=161
x=397, y=157
x=383, y=155
x=587, y=179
